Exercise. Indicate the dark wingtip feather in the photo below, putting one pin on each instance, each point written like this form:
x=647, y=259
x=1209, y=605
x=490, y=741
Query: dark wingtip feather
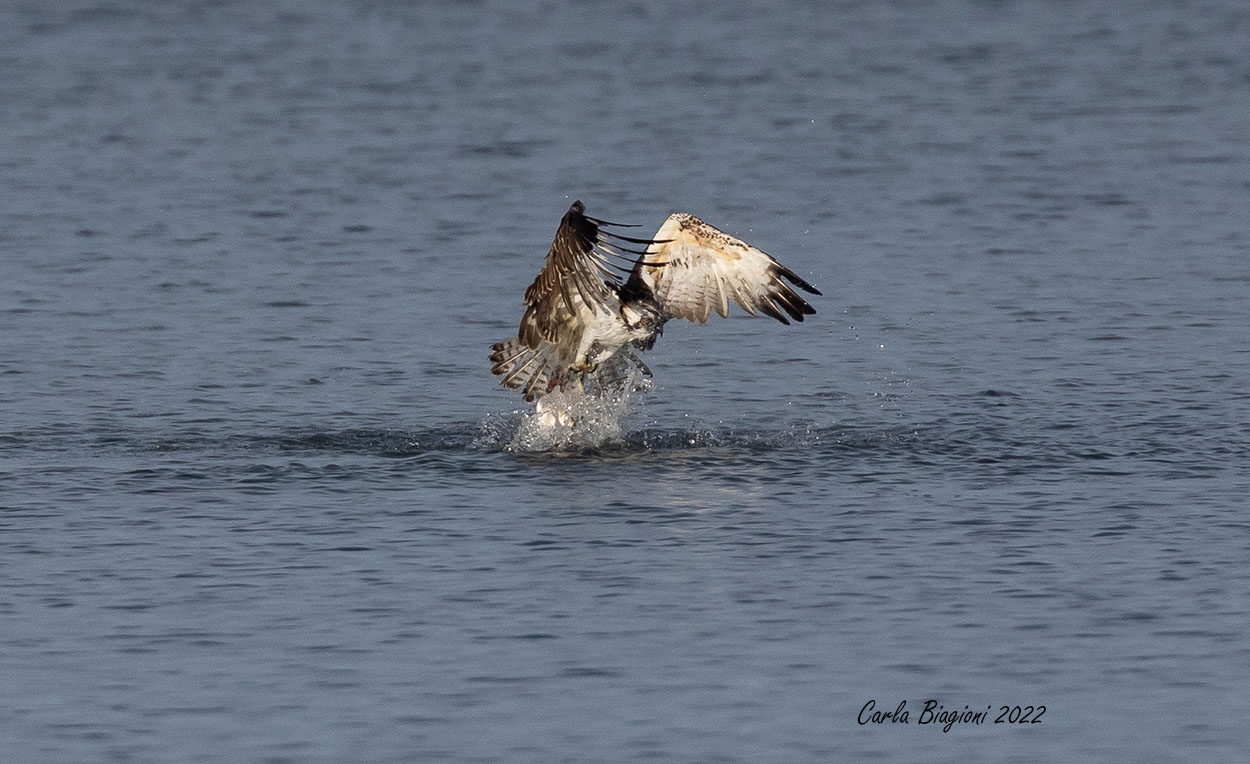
x=597, y=221
x=793, y=278
x=791, y=303
x=768, y=309
x=797, y=306
x=631, y=239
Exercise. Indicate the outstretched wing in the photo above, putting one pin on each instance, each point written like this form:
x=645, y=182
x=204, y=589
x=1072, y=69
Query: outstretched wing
x=694, y=268
x=577, y=280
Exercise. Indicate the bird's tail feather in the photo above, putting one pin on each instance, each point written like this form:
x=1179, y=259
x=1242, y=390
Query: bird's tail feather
x=532, y=370
x=523, y=368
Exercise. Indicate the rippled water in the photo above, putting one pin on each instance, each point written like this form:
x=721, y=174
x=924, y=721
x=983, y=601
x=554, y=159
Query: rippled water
x=260, y=499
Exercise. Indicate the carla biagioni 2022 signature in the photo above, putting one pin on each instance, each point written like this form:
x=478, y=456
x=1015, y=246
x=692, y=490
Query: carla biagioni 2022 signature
x=935, y=714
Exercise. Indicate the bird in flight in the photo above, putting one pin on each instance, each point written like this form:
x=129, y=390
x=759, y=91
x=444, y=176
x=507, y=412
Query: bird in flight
x=582, y=321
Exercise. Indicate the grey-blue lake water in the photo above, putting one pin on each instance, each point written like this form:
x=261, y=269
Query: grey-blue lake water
x=260, y=499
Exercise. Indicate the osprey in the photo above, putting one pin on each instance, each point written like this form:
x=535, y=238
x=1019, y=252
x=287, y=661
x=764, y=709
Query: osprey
x=582, y=323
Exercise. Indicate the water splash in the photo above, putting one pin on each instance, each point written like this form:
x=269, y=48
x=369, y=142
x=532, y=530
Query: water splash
x=571, y=421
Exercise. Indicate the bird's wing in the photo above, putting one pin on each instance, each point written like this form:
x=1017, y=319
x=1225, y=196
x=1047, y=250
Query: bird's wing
x=576, y=279
x=694, y=268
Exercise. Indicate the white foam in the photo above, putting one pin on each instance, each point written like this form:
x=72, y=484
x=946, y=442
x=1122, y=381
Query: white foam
x=565, y=420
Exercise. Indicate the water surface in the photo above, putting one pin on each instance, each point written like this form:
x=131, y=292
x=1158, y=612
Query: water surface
x=261, y=501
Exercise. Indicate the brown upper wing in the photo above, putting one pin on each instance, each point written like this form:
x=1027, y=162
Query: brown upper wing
x=575, y=278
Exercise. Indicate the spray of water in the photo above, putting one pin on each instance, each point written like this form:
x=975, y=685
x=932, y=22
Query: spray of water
x=571, y=421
